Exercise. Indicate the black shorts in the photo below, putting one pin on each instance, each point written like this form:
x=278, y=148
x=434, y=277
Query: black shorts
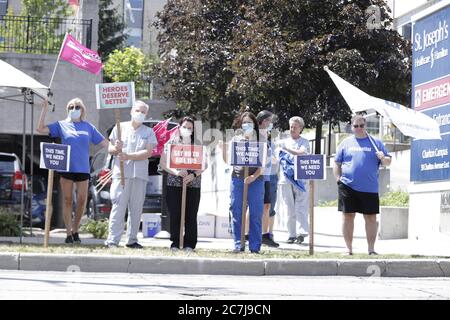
x=75, y=176
x=266, y=192
x=351, y=201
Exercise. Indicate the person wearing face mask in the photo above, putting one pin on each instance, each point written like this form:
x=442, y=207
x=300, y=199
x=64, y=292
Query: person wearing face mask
x=79, y=134
x=294, y=193
x=175, y=180
x=134, y=149
x=247, y=130
x=265, y=119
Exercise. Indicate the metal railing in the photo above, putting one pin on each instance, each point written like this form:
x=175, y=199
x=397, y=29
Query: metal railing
x=143, y=86
x=27, y=34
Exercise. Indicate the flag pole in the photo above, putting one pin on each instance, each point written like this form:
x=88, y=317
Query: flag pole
x=373, y=142
x=57, y=60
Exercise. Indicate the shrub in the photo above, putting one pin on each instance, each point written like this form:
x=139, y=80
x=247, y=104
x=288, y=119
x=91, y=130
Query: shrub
x=390, y=199
x=98, y=228
x=331, y=203
x=9, y=226
x=395, y=199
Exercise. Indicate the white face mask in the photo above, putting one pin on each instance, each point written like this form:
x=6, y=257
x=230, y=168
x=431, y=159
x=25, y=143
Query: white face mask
x=270, y=127
x=138, y=117
x=75, y=114
x=184, y=132
x=247, y=127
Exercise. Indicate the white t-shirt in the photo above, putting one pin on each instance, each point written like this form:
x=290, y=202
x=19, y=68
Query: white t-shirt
x=291, y=143
x=133, y=141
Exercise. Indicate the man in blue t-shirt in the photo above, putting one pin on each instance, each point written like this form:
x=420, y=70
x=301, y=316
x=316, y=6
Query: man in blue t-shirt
x=356, y=170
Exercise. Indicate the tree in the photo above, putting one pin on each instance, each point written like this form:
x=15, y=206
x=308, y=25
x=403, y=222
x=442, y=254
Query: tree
x=196, y=54
x=271, y=54
x=130, y=64
x=111, y=34
x=124, y=65
x=285, y=44
x=46, y=8
x=36, y=30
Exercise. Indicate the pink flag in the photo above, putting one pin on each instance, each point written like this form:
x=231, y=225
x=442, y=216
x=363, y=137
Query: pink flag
x=162, y=136
x=74, y=52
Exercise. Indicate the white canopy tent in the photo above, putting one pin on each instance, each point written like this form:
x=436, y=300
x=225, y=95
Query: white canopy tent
x=14, y=78
x=26, y=88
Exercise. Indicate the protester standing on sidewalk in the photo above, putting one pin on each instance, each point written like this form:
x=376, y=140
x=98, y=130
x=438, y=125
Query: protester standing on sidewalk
x=134, y=149
x=356, y=171
x=265, y=124
x=79, y=134
x=175, y=180
x=247, y=130
x=293, y=192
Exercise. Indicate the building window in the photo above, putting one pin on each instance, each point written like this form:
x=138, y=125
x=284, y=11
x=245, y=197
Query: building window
x=3, y=7
x=406, y=31
x=134, y=19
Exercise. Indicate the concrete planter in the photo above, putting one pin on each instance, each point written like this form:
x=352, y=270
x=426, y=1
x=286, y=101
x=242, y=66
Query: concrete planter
x=393, y=223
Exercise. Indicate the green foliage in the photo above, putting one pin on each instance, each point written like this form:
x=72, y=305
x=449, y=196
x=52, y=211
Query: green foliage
x=33, y=34
x=111, y=34
x=390, y=199
x=130, y=64
x=46, y=8
x=9, y=226
x=220, y=55
x=98, y=228
x=395, y=199
x=331, y=203
x=125, y=65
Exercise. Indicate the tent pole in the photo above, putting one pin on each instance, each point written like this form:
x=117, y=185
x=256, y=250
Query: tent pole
x=31, y=163
x=23, y=161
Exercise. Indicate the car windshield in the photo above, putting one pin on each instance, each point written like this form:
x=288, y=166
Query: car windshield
x=6, y=164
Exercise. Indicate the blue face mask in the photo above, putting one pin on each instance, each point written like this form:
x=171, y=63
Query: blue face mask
x=270, y=127
x=247, y=127
x=74, y=114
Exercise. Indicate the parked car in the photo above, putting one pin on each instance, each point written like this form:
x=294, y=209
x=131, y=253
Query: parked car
x=12, y=177
x=99, y=202
x=38, y=202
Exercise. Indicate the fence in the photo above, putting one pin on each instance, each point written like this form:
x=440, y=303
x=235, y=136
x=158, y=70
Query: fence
x=26, y=34
x=143, y=86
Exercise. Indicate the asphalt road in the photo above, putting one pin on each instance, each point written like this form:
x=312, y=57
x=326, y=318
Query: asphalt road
x=78, y=285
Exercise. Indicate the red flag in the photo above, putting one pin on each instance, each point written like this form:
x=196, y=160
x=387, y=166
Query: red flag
x=160, y=125
x=162, y=136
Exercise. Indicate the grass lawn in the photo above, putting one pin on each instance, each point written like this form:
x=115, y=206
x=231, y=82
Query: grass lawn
x=199, y=253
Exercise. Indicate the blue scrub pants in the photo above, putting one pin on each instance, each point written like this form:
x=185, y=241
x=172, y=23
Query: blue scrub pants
x=255, y=201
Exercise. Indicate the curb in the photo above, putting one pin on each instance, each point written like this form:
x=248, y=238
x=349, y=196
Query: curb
x=210, y=266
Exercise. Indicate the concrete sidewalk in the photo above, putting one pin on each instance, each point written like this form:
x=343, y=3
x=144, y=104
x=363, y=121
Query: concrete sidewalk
x=434, y=253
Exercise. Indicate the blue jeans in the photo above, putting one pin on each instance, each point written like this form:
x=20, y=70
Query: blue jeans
x=255, y=201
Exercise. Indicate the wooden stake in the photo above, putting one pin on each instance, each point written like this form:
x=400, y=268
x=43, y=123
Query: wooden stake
x=49, y=207
x=122, y=177
x=311, y=217
x=183, y=214
x=244, y=210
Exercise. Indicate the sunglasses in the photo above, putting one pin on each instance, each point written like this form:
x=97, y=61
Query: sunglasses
x=358, y=125
x=74, y=107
